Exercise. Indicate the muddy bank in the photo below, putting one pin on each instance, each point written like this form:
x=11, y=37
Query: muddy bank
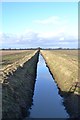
x=17, y=90
x=65, y=72
x=72, y=103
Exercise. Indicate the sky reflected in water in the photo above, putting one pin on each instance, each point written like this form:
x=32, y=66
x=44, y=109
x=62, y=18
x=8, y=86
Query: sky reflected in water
x=47, y=103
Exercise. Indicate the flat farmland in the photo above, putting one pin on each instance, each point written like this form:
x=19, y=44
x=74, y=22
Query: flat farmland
x=11, y=56
x=9, y=52
x=11, y=59
x=63, y=64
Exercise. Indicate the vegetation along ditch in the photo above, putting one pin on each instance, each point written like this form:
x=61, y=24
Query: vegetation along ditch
x=17, y=89
x=53, y=95
x=49, y=101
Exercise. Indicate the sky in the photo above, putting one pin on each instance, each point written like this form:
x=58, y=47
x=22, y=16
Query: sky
x=39, y=24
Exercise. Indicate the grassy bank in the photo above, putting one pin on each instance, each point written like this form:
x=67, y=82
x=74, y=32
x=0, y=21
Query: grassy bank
x=18, y=87
x=63, y=65
x=11, y=59
x=12, y=56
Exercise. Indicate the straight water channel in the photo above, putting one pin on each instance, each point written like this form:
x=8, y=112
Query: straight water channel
x=47, y=103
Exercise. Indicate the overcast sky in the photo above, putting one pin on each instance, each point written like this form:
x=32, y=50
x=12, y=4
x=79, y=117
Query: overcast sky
x=39, y=24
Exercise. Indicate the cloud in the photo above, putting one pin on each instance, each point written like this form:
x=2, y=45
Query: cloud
x=51, y=32
x=57, y=25
x=50, y=20
x=62, y=39
x=35, y=39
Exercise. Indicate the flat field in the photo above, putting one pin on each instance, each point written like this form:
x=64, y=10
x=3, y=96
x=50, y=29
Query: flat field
x=63, y=65
x=10, y=60
x=11, y=56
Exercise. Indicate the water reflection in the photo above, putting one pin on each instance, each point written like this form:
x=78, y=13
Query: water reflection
x=48, y=100
x=47, y=103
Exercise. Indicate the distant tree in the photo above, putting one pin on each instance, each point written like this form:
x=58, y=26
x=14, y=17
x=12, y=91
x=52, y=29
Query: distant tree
x=59, y=48
x=9, y=48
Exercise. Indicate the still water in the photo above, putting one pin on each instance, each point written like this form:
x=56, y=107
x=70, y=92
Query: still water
x=47, y=103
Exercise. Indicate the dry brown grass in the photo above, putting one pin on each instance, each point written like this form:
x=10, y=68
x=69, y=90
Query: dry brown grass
x=11, y=56
x=12, y=59
x=64, y=67
x=9, y=52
